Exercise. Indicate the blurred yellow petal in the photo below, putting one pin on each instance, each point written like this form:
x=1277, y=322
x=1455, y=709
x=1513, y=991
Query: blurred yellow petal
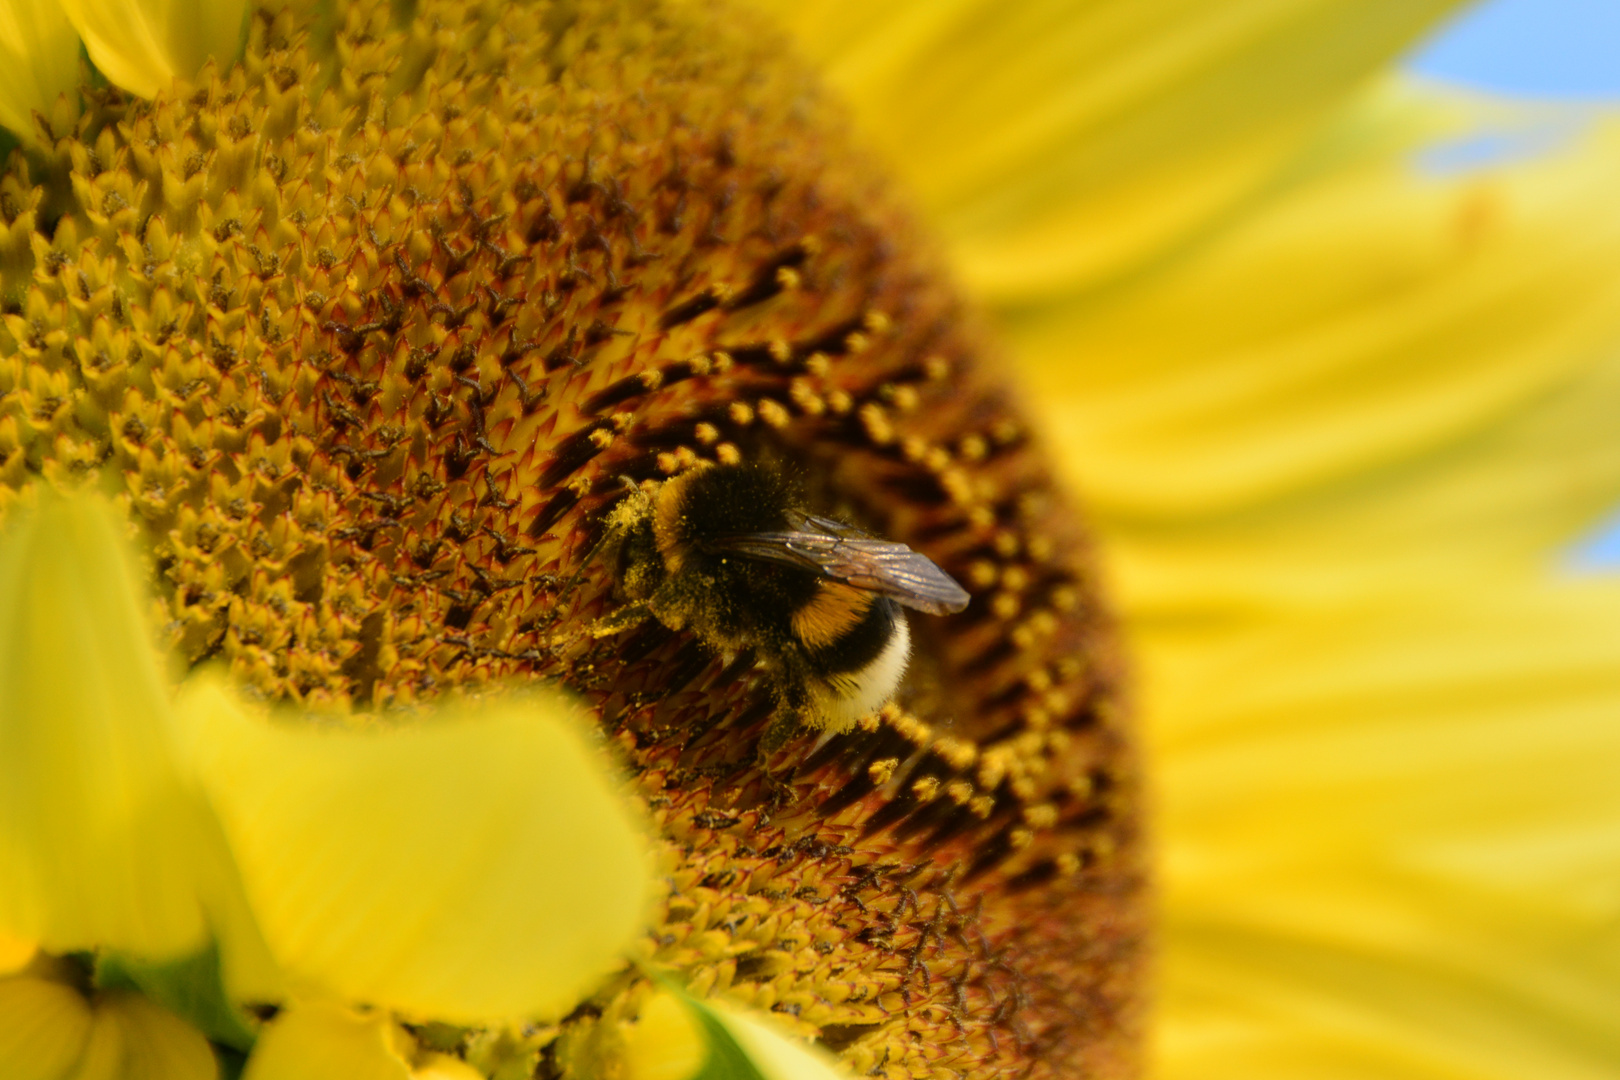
x=480, y=866
x=776, y=1054
x=1394, y=842
x=43, y=1028
x=1060, y=145
x=99, y=841
x=327, y=1042
x=444, y=1067
x=15, y=952
x=665, y=1042
x=1394, y=355
x=143, y=45
x=39, y=61
x=156, y=1045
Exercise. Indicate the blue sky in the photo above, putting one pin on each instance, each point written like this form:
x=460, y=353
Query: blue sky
x=1546, y=48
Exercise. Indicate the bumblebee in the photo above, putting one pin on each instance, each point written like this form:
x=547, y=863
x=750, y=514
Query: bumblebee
x=726, y=552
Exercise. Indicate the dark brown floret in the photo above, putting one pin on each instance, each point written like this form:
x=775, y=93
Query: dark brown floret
x=372, y=364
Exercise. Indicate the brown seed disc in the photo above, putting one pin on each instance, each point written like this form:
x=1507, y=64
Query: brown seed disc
x=371, y=327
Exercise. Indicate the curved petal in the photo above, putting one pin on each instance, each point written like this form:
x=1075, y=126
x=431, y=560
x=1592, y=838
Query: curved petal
x=327, y=1042
x=43, y=1028
x=1388, y=353
x=773, y=1052
x=665, y=1042
x=143, y=45
x=39, y=62
x=156, y=1045
x=15, y=952
x=1060, y=144
x=100, y=843
x=1395, y=843
x=478, y=867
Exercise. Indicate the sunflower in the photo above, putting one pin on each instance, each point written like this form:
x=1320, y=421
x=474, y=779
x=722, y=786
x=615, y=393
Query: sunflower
x=364, y=330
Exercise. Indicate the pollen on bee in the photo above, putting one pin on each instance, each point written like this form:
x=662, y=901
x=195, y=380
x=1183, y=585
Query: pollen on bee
x=882, y=771
x=926, y=789
x=706, y=434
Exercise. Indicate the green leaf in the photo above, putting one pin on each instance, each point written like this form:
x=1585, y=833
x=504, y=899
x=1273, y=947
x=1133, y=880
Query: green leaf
x=191, y=988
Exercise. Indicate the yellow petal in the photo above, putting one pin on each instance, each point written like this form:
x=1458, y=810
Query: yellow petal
x=143, y=45
x=15, y=952
x=1386, y=354
x=327, y=1042
x=98, y=839
x=1392, y=842
x=665, y=1042
x=444, y=1067
x=156, y=1045
x=39, y=61
x=776, y=1054
x=1062, y=144
x=43, y=1028
x=476, y=867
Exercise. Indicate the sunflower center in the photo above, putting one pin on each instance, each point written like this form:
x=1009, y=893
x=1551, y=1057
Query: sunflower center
x=373, y=329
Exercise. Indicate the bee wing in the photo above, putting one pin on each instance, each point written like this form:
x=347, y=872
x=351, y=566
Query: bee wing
x=878, y=566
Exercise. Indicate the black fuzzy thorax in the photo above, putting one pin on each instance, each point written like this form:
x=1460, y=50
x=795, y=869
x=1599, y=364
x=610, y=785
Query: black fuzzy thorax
x=739, y=600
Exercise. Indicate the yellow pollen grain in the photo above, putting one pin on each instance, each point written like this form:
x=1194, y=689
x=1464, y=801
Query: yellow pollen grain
x=1015, y=579
x=1040, y=816
x=805, y=397
x=937, y=368
x=981, y=806
x=781, y=351
x=913, y=448
x=728, y=454
x=773, y=413
x=723, y=362
x=906, y=399
x=857, y=343
x=706, y=433
x=818, y=364
x=740, y=413
x=959, y=792
x=926, y=789
x=958, y=754
x=877, y=322
x=876, y=423
x=839, y=402
x=1004, y=605
x=882, y=771
x=1006, y=543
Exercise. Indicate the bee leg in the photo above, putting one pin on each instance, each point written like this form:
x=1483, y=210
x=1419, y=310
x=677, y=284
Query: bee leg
x=617, y=622
x=792, y=711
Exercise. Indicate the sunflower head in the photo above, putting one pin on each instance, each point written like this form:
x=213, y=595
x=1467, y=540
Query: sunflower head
x=369, y=329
